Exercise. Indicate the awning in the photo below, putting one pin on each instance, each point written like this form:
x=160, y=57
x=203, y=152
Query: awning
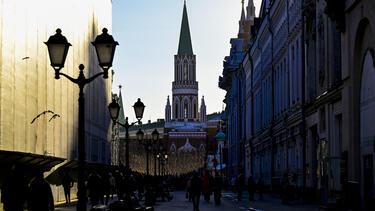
x=28, y=161
x=8, y=158
x=71, y=167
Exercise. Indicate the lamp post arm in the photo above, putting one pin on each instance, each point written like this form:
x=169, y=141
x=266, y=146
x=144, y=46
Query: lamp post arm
x=70, y=78
x=93, y=77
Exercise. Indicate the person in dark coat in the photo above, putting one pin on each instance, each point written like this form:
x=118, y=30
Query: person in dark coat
x=260, y=187
x=251, y=187
x=206, y=186
x=285, y=188
x=14, y=190
x=216, y=188
x=40, y=194
x=196, y=190
x=240, y=183
x=94, y=187
x=67, y=183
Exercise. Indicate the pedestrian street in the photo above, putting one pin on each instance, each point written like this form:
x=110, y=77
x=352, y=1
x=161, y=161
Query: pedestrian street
x=228, y=203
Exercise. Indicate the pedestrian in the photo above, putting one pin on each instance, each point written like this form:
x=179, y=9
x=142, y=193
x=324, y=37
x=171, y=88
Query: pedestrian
x=94, y=188
x=67, y=183
x=112, y=183
x=285, y=188
x=188, y=189
x=14, y=190
x=251, y=187
x=239, y=186
x=260, y=187
x=196, y=190
x=206, y=186
x=40, y=194
x=216, y=188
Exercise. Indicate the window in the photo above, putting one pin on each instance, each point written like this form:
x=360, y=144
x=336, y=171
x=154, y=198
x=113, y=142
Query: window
x=185, y=72
x=185, y=110
x=176, y=111
x=195, y=111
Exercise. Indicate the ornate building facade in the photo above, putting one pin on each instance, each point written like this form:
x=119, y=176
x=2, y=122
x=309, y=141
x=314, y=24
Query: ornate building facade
x=308, y=76
x=185, y=125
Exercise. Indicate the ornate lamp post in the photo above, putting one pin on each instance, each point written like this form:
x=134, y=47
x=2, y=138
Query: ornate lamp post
x=147, y=145
x=155, y=139
x=114, y=111
x=220, y=138
x=58, y=47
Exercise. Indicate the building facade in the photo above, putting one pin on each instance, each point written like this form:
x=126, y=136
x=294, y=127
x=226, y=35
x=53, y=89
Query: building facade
x=28, y=87
x=233, y=82
x=308, y=100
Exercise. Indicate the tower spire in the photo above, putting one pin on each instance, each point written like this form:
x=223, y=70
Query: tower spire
x=184, y=45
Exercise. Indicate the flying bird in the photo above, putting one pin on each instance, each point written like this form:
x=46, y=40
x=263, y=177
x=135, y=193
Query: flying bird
x=25, y=58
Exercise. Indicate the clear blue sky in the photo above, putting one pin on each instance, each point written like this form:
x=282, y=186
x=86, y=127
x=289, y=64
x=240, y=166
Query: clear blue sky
x=148, y=33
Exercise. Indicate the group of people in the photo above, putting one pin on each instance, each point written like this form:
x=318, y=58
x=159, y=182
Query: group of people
x=17, y=192
x=205, y=186
x=238, y=184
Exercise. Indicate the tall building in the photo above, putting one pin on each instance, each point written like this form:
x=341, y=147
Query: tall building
x=184, y=125
x=28, y=87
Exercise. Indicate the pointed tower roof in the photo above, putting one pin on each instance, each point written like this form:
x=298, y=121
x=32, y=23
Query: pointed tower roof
x=243, y=10
x=184, y=46
x=121, y=116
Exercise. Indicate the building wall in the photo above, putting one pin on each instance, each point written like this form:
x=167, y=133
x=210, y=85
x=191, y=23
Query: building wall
x=358, y=41
x=28, y=87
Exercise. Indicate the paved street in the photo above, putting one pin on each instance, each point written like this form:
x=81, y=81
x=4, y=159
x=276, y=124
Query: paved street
x=229, y=203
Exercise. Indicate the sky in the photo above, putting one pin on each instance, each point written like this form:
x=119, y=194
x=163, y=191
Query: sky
x=148, y=33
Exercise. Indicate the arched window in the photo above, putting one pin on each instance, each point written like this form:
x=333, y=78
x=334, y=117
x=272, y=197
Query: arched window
x=176, y=111
x=195, y=111
x=185, y=72
x=185, y=110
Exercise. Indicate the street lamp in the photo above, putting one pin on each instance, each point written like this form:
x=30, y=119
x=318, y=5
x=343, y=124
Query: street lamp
x=155, y=139
x=147, y=144
x=58, y=47
x=114, y=111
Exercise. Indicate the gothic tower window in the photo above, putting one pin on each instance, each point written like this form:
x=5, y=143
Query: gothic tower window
x=195, y=111
x=185, y=110
x=176, y=111
x=185, y=71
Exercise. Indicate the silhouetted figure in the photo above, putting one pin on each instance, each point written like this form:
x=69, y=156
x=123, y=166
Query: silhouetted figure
x=94, y=188
x=40, y=194
x=260, y=187
x=14, y=190
x=196, y=190
x=188, y=190
x=207, y=186
x=216, y=188
x=112, y=184
x=67, y=183
x=251, y=187
x=240, y=183
x=285, y=188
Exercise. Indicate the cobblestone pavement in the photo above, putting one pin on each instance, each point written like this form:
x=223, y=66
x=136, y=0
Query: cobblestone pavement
x=229, y=203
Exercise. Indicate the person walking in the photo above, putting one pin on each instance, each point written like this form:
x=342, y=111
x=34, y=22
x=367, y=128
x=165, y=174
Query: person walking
x=14, y=190
x=216, y=188
x=260, y=187
x=285, y=188
x=206, y=186
x=239, y=186
x=196, y=190
x=40, y=194
x=67, y=183
x=251, y=187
